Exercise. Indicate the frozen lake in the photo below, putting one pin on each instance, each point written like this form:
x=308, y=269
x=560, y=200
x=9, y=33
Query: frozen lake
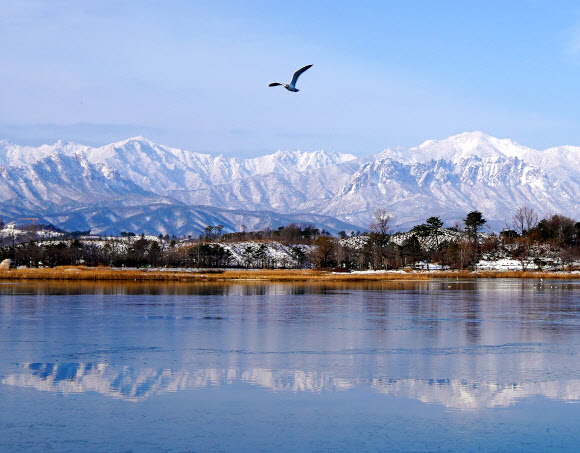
x=419, y=366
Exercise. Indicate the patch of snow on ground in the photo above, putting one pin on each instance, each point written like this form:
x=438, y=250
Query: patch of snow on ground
x=273, y=254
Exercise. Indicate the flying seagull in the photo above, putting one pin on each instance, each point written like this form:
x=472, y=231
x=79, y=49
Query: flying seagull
x=292, y=85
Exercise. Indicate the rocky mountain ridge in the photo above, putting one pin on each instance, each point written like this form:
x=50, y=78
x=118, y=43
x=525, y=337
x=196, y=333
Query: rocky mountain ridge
x=155, y=189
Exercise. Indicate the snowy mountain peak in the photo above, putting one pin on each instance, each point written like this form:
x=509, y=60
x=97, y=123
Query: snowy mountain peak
x=463, y=146
x=470, y=144
x=136, y=140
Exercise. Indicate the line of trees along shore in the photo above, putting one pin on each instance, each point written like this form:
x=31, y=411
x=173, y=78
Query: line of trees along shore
x=554, y=239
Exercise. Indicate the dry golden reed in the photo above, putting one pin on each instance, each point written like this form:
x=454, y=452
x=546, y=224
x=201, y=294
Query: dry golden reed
x=71, y=273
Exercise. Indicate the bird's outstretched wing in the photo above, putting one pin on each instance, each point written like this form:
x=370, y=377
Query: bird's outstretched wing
x=298, y=73
x=274, y=84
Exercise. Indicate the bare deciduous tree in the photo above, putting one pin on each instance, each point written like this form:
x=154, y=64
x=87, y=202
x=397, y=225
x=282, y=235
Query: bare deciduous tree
x=379, y=238
x=524, y=219
x=381, y=223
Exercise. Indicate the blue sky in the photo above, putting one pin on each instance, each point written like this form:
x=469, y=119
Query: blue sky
x=195, y=74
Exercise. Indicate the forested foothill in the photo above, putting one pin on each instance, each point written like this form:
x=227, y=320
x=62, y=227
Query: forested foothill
x=526, y=243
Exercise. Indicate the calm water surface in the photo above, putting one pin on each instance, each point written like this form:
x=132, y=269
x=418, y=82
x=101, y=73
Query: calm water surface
x=427, y=366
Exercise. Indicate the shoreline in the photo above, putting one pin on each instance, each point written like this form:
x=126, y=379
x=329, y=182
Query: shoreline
x=80, y=273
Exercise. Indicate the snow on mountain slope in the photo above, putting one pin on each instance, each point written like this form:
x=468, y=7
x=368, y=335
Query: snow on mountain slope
x=495, y=185
x=447, y=178
x=82, y=180
x=283, y=192
x=15, y=155
x=159, y=168
x=60, y=179
x=457, y=147
x=152, y=166
x=471, y=144
x=162, y=168
x=284, y=161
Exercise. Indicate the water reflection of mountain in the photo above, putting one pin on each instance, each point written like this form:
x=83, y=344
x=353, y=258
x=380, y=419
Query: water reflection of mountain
x=132, y=384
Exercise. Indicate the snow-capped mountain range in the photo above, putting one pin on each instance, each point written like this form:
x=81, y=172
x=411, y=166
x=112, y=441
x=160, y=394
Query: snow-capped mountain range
x=137, y=185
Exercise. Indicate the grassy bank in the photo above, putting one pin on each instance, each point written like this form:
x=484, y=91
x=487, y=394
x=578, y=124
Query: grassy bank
x=67, y=273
